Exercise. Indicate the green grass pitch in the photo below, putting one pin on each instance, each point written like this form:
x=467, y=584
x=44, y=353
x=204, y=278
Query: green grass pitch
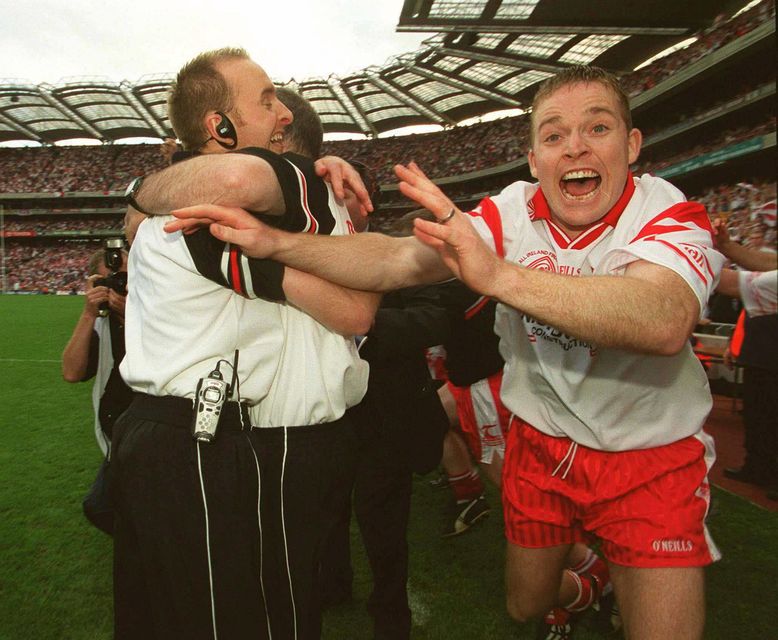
x=55, y=569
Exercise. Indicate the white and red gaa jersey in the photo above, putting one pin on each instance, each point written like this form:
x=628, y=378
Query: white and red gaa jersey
x=759, y=292
x=607, y=399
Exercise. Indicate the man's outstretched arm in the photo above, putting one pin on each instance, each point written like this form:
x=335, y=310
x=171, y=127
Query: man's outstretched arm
x=649, y=309
x=366, y=261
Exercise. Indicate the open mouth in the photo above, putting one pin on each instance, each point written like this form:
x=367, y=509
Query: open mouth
x=580, y=184
x=277, y=138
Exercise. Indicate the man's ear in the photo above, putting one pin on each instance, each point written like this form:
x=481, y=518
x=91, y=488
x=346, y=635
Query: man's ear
x=210, y=123
x=531, y=160
x=634, y=141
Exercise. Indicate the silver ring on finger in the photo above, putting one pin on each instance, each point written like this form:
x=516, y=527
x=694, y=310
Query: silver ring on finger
x=448, y=217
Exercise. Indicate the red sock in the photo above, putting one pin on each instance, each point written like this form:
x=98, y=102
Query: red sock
x=596, y=566
x=587, y=591
x=467, y=486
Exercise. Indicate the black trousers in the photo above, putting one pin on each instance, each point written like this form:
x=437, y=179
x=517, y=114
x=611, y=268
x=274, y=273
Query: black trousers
x=223, y=539
x=381, y=503
x=760, y=417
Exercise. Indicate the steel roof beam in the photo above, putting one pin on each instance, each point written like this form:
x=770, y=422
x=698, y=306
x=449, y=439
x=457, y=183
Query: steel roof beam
x=141, y=110
x=519, y=62
x=14, y=124
x=513, y=27
x=465, y=85
x=66, y=111
x=401, y=94
x=346, y=98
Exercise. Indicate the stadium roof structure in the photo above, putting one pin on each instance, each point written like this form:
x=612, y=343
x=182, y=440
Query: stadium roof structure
x=486, y=55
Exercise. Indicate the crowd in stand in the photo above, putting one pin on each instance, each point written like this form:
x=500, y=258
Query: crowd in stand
x=49, y=224
x=50, y=265
x=67, y=169
x=708, y=41
x=452, y=152
x=725, y=138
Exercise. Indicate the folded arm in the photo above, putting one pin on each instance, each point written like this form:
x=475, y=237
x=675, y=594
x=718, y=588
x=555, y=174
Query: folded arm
x=345, y=311
x=231, y=179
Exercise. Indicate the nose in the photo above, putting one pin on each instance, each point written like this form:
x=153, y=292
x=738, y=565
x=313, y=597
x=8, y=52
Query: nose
x=576, y=145
x=284, y=115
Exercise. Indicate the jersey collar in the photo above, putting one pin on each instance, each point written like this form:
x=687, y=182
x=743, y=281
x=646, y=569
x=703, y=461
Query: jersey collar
x=539, y=210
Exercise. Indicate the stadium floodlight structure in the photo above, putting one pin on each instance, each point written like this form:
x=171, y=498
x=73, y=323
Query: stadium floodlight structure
x=483, y=56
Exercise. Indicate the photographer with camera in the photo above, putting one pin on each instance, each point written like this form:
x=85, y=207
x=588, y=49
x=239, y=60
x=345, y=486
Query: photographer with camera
x=96, y=346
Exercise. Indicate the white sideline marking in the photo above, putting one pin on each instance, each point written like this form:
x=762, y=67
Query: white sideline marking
x=420, y=612
x=25, y=360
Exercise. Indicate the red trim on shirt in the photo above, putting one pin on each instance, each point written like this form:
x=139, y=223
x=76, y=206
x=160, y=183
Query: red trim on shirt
x=539, y=210
x=558, y=234
x=681, y=213
x=685, y=257
x=491, y=216
x=476, y=307
x=235, y=270
x=313, y=223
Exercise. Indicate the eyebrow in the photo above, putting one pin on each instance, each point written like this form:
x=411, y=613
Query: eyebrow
x=595, y=110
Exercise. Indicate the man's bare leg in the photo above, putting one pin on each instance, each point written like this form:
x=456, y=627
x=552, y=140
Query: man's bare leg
x=660, y=604
x=534, y=580
x=493, y=470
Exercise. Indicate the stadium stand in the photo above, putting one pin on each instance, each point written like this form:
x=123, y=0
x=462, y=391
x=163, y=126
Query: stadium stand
x=706, y=112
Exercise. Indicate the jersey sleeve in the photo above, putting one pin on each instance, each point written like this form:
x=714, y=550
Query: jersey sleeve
x=759, y=292
x=306, y=196
x=226, y=265
x=485, y=219
x=679, y=238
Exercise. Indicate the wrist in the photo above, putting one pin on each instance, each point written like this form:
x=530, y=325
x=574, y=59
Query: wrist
x=501, y=281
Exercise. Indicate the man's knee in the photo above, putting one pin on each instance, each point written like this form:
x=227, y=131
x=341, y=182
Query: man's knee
x=523, y=607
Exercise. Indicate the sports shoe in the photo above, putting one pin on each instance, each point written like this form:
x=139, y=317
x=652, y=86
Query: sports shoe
x=463, y=515
x=605, y=617
x=557, y=624
x=441, y=482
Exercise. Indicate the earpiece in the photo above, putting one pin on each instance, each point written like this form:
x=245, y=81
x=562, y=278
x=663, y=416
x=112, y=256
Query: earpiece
x=225, y=129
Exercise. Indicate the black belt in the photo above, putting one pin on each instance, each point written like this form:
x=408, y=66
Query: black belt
x=178, y=411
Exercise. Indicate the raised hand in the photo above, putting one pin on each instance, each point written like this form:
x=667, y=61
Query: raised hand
x=460, y=247
x=341, y=175
x=230, y=224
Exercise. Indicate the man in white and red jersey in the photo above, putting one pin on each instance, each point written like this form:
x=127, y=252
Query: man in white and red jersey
x=603, y=279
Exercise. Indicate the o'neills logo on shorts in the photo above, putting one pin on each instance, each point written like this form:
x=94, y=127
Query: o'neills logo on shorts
x=672, y=546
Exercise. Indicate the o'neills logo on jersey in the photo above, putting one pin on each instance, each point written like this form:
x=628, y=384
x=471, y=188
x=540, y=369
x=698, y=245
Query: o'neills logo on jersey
x=540, y=259
x=672, y=546
x=694, y=253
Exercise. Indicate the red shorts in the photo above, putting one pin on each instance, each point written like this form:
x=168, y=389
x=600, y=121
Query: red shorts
x=483, y=418
x=648, y=506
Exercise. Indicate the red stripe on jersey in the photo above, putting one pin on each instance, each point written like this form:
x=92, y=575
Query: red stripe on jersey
x=313, y=223
x=476, y=307
x=682, y=214
x=235, y=270
x=589, y=236
x=559, y=236
x=491, y=216
x=685, y=257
